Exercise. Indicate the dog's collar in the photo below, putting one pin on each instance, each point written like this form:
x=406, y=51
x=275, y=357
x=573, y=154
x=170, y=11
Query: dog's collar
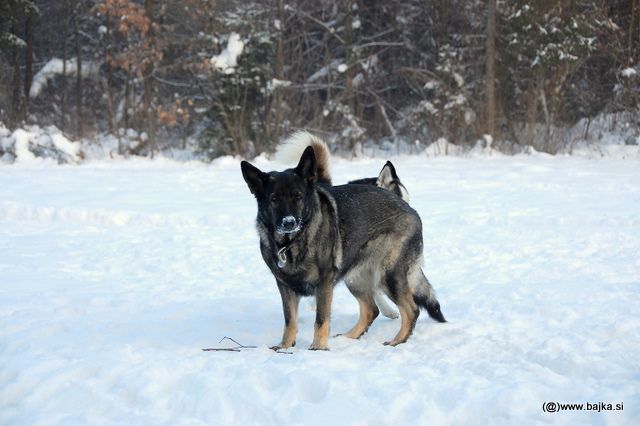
x=281, y=254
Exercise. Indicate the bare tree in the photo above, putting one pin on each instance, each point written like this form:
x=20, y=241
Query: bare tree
x=30, y=14
x=149, y=113
x=79, y=79
x=490, y=107
x=15, y=91
x=65, y=54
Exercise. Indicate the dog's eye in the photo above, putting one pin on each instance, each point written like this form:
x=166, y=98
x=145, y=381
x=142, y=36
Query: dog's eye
x=273, y=198
x=297, y=196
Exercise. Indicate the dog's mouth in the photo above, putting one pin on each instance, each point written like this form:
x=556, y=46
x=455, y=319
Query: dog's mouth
x=286, y=231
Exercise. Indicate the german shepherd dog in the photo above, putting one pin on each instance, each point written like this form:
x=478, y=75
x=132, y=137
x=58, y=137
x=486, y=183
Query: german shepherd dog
x=389, y=180
x=313, y=234
x=291, y=150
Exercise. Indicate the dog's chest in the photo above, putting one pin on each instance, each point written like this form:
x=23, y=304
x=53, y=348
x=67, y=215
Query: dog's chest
x=301, y=281
x=297, y=270
x=292, y=268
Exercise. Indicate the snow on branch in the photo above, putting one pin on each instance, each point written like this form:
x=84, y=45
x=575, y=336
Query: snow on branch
x=12, y=40
x=228, y=58
x=55, y=67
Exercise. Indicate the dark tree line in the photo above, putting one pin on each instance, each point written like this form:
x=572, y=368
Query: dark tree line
x=385, y=72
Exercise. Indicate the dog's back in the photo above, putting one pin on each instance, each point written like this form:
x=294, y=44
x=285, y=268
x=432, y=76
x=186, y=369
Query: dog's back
x=368, y=213
x=387, y=179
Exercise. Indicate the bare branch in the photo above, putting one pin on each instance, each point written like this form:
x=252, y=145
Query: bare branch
x=330, y=30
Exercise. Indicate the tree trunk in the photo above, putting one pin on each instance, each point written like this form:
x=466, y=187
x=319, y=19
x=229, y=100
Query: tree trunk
x=15, y=57
x=547, y=119
x=28, y=62
x=63, y=95
x=532, y=112
x=279, y=71
x=109, y=80
x=630, y=42
x=148, y=83
x=491, y=70
x=127, y=100
x=349, y=72
x=79, y=85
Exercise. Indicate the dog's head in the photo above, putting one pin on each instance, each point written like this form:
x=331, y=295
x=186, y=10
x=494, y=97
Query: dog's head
x=285, y=199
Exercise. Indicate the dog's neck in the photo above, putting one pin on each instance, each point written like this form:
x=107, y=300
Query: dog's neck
x=283, y=249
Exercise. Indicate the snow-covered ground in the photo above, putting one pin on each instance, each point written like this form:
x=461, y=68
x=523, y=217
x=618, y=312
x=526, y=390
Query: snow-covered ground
x=115, y=275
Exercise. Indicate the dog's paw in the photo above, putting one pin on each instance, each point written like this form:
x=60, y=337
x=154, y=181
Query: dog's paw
x=394, y=342
x=317, y=347
x=354, y=335
x=282, y=346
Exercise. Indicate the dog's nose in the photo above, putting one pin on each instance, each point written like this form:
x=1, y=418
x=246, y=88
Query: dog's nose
x=289, y=222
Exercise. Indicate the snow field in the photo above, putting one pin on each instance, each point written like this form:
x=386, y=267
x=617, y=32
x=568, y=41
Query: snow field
x=115, y=275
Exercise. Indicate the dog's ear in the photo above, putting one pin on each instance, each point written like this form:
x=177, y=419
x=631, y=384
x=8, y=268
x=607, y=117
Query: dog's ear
x=255, y=178
x=388, y=179
x=307, y=168
x=387, y=175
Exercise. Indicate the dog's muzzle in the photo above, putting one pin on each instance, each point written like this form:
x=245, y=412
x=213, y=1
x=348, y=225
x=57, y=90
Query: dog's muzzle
x=289, y=225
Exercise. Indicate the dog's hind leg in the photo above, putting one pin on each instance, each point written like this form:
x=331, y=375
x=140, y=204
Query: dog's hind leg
x=368, y=312
x=385, y=308
x=402, y=296
x=290, y=302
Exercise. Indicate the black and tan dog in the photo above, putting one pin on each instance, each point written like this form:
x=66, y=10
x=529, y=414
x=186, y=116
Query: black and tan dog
x=291, y=150
x=387, y=179
x=313, y=234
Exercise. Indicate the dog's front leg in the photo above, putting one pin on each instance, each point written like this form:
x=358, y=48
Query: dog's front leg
x=290, y=301
x=324, y=295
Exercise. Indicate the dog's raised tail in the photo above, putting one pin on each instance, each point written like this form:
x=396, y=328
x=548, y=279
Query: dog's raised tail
x=425, y=297
x=290, y=151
